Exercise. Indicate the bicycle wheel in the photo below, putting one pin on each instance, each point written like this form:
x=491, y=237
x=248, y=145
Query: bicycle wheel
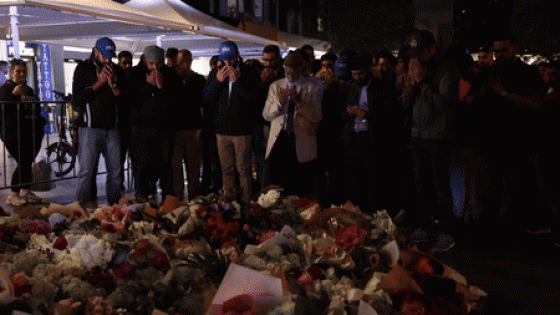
x=62, y=158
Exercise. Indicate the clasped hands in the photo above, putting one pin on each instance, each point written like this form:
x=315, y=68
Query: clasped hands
x=106, y=75
x=284, y=93
x=356, y=110
x=155, y=78
x=325, y=74
x=227, y=71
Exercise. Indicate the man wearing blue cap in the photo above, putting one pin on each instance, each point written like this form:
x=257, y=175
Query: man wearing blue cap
x=97, y=90
x=232, y=94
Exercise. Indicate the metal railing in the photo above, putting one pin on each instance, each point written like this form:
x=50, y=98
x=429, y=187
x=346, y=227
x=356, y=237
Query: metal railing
x=59, y=145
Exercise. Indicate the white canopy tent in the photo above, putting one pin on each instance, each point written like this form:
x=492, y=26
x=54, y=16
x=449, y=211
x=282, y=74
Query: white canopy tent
x=79, y=23
x=177, y=11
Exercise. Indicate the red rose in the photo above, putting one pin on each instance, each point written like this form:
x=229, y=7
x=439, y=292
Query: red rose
x=423, y=266
x=231, y=226
x=161, y=262
x=142, y=247
x=240, y=304
x=125, y=270
x=302, y=203
x=215, y=219
x=37, y=227
x=350, y=236
x=60, y=243
x=315, y=271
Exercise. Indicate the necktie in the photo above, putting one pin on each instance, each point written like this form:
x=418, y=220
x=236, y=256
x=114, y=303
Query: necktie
x=290, y=118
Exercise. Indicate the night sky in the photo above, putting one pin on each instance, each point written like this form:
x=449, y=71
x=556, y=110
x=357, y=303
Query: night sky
x=535, y=23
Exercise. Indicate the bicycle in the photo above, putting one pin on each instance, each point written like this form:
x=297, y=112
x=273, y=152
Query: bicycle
x=62, y=154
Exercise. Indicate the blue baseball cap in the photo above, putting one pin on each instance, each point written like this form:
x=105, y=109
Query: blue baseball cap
x=228, y=50
x=106, y=47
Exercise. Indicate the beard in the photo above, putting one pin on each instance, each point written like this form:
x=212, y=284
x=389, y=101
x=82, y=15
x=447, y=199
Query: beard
x=362, y=82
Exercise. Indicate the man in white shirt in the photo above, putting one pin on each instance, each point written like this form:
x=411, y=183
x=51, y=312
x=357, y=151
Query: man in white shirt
x=293, y=107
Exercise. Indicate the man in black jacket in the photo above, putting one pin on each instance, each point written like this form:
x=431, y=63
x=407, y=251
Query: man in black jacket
x=232, y=92
x=154, y=101
x=97, y=88
x=370, y=134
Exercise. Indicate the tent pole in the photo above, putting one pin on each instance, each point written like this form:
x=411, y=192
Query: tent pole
x=14, y=22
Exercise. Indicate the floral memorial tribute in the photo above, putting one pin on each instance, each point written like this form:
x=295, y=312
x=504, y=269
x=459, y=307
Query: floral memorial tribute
x=287, y=256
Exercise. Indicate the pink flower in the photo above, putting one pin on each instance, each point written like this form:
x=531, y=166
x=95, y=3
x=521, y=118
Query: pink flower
x=305, y=279
x=265, y=237
x=312, y=273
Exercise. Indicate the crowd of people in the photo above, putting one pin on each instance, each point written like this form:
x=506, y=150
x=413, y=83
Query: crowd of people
x=377, y=130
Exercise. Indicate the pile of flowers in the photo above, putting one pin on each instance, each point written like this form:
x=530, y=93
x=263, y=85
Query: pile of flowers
x=128, y=259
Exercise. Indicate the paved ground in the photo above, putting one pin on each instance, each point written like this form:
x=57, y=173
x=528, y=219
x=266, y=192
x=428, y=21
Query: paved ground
x=520, y=272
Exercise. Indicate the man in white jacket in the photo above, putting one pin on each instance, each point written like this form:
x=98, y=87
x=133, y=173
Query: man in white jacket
x=293, y=107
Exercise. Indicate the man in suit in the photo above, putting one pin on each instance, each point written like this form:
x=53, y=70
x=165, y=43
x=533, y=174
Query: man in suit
x=293, y=107
x=231, y=93
x=371, y=133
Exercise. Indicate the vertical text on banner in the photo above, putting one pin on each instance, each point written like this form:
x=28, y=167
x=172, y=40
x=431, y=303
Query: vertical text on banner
x=46, y=86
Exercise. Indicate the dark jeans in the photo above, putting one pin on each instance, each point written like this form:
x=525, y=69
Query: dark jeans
x=24, y=155
x=431, y=159
x=285, y=169
x=93, y=143
x=152, y=150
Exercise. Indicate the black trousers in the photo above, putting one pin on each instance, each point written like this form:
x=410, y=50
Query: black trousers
x=285, y=169
x=431, y=159
x=152, y=150
x=24, y=151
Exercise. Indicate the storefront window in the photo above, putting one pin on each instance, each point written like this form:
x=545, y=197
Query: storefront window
x=258, y=10
x=231, y=8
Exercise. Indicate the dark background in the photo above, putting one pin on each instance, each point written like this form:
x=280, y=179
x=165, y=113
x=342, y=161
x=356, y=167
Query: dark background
x=372, y=25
